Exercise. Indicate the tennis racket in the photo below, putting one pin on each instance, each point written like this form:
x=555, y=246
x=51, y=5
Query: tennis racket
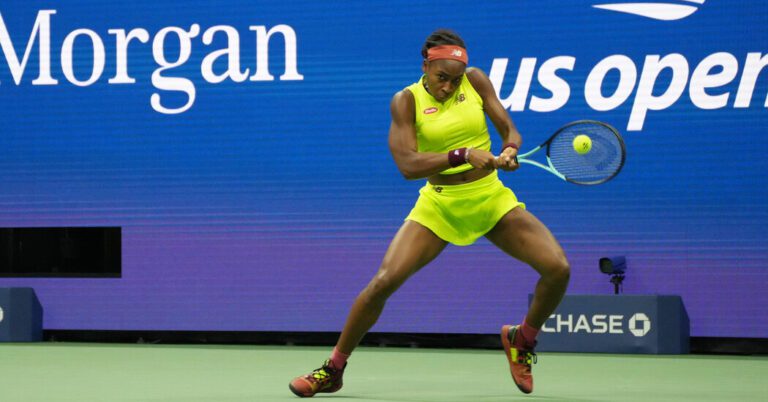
x=601, y=163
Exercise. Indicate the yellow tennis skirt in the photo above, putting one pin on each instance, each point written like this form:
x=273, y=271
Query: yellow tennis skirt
x=462, y=213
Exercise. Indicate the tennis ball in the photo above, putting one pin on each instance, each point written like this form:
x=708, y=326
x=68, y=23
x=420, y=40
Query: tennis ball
x=582, y=144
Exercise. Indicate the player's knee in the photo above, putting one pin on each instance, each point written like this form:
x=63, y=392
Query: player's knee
x=380, y=288
x=559, y=268
x=563, y=269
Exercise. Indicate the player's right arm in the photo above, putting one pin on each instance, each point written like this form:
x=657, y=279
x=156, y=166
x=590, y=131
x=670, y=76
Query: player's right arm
x=402, y=141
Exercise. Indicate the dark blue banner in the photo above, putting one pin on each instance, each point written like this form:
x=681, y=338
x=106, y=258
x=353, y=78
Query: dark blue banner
x=21, y=316
x=617, y=324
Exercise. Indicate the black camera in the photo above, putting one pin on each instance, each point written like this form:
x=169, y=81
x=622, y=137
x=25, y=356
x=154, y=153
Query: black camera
x=613, y=265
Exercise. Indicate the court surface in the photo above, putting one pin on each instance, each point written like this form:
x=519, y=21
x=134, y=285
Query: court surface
x=189, y=373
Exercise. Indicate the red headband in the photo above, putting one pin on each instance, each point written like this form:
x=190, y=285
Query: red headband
x=450, y=52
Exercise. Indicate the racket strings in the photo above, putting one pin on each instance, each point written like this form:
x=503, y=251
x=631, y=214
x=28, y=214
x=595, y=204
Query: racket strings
x=601, y=163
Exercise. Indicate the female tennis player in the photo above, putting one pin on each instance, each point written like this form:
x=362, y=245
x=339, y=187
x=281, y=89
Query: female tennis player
x=439, y=132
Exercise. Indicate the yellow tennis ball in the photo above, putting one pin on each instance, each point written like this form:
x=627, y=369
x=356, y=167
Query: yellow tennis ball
x=582, y=144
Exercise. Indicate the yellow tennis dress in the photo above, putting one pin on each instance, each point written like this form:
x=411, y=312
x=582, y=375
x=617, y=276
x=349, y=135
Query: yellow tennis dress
x=459, y=213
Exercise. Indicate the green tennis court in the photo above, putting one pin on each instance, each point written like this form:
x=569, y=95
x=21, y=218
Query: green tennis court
x=139, y=372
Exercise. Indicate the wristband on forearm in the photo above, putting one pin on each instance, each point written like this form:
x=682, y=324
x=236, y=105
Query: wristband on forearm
x=457, y=157
x=510, y=145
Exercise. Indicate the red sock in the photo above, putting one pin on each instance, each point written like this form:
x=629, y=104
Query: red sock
x=338, y=359
x=528, y=338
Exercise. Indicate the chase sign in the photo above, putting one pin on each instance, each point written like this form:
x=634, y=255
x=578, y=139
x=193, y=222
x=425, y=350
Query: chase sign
x=617, y=324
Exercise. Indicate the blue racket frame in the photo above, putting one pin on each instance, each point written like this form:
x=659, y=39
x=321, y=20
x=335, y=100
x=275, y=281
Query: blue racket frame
x=525, y=158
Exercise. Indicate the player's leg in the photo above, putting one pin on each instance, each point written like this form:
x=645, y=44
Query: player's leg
x=413, y=247
x=521, y=235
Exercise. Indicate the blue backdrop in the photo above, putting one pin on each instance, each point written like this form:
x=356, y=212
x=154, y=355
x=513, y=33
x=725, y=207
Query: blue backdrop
x=242, y=147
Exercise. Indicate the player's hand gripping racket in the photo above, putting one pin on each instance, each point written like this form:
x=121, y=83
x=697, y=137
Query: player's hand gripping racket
x=584, y=152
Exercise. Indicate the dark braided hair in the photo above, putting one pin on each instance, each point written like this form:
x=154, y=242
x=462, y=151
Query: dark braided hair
x=441, y=37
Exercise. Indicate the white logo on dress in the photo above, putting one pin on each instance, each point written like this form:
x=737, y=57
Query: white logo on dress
x=664, y=11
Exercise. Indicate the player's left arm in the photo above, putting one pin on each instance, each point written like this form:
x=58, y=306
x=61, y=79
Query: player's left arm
x=499, y=117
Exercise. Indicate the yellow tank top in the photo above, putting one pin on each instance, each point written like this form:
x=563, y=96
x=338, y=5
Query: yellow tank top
x=458, y=122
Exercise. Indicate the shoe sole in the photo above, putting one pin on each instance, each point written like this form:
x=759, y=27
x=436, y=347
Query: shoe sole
x=300, y=395
x=507, y=351
x=297, y=393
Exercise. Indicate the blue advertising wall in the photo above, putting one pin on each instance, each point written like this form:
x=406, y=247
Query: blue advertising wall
x=242, y=147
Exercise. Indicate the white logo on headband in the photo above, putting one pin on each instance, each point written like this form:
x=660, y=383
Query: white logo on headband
x=456, y=52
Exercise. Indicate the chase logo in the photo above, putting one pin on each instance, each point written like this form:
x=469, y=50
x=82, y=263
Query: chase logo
x=664, y=11
x=639, y=324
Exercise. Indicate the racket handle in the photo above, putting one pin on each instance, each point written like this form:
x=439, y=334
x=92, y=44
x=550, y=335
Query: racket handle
x=516, y=161
x=497, y=159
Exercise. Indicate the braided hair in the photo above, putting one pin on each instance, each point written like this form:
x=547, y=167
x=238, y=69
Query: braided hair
x=441, y=37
